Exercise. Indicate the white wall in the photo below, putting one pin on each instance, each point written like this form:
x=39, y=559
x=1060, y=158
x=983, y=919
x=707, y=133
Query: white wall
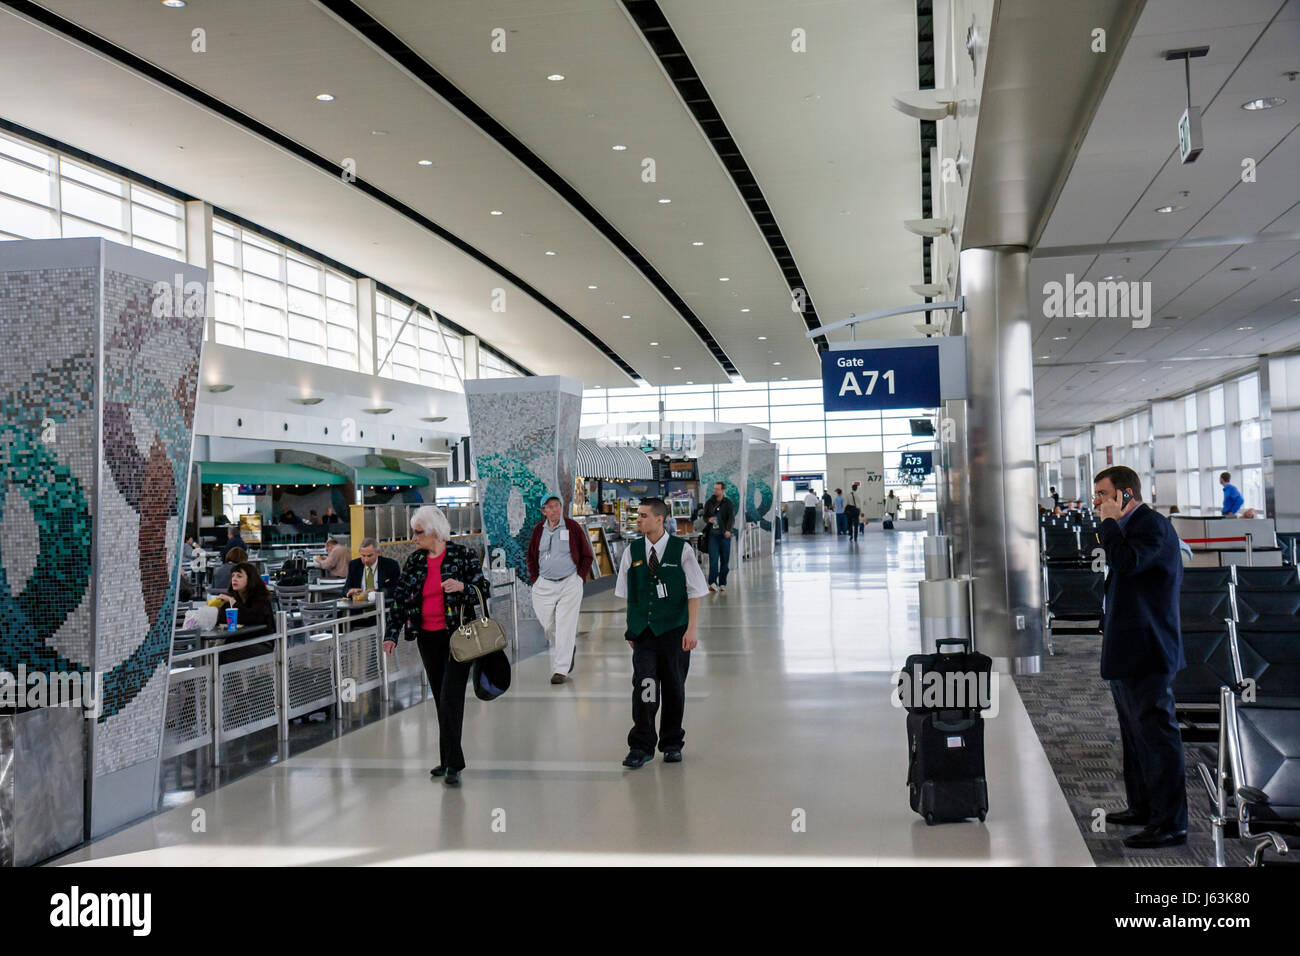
x=843, y=468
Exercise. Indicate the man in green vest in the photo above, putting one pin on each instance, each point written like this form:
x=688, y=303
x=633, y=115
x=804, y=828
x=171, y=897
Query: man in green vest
x=662, y=581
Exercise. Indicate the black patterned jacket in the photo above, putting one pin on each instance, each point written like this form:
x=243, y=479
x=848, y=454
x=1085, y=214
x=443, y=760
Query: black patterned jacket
x=408, y=596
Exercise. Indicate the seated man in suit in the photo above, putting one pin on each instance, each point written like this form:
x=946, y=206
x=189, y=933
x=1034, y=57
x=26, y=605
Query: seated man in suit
x=1141, y=651
x=372, y=572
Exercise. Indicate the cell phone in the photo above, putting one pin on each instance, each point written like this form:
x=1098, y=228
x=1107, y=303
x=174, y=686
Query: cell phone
x=1126, y=497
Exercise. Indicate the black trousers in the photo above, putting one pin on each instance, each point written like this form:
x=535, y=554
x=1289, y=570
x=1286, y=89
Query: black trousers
x=447, y=678
x=809, y=519
x=1155, y=775
x=851, y=515
x=659, y=667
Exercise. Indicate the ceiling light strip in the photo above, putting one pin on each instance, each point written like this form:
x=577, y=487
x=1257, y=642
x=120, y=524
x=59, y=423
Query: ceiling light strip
x=175, y=84
x=659, y=35
x=391, y=46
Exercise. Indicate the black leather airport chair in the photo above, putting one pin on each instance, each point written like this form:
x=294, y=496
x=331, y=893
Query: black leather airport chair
x=1276, y=608
x=1205, y=610
x=1196, y=687
x=1266, y=662
x=1254, y=790
x=1249, y=577
x=1075, y=595
x=1061, y=546
x=1289, y=542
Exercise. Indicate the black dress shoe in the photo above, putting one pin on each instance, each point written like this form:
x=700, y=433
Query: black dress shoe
x=637, y=758
x=672, y=756
x=452, y=779
x=1127, y=818
x=438, y=771
x=1153, y=838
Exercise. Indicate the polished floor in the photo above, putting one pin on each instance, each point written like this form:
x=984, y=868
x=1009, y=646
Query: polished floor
x=793, y=753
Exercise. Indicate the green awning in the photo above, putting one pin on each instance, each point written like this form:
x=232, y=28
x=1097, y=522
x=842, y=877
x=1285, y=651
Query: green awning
x=381, y=477
x=265, y=473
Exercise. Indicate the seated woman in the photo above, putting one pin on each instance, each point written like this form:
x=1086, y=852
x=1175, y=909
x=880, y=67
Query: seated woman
x=222, y=572
x=247, y=595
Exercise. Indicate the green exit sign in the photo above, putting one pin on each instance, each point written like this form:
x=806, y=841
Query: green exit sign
x=1190, y=143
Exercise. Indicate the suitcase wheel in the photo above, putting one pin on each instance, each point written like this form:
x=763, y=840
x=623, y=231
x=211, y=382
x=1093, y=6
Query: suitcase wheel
x=929, y=818
x=981, y=816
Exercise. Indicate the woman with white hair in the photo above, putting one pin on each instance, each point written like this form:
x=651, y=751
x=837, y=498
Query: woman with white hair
x=435, y=595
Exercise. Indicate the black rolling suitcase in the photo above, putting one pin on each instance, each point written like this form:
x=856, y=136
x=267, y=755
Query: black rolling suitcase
x=945, y=767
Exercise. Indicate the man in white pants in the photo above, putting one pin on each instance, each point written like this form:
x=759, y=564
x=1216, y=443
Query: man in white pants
x=559, y=561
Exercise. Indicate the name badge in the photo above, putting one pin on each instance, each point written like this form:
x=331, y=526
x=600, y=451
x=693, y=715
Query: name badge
x=564, y=534
x=637, y=564
x=662, y=589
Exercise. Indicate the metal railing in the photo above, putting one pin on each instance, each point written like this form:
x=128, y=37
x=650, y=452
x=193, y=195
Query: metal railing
x=392, y=522
x=313, y=666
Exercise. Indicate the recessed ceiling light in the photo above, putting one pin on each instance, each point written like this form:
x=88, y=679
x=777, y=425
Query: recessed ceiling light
x=175, y=4
x=744, y=310
x=697, y=243
x=627, y=316
x=724, y=278
x=1263, y=103
x=325, y=97
x=1044, y=356
x=677, y=368
x=1059, y=338
x=785, y=378
x=762, y=338
x=1170, y=208
x=1166, y=368
x=591, y=287
x=776, y=363
x=379, y=132
x=1245, y=328
x=1111, y=278
x=424, y=162
x=618, y=147
x=555, y=77
x=665, y=200
x=690, y=383
x=497, y=212
x=549, y=252
x=654, y=343
x=1202, y=350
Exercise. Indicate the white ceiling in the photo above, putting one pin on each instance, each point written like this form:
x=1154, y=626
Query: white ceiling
x=812, y=157
x=1128, y=166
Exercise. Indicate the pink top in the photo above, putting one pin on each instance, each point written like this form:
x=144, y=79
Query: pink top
x=433, y=615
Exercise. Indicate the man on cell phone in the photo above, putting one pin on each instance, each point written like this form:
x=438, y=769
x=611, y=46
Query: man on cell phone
x=1141, y=651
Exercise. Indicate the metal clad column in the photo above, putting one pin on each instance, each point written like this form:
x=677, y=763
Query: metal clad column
x=1000, y=426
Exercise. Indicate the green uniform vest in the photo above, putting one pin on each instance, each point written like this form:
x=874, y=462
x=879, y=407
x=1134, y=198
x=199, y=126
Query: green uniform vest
x=645, y=608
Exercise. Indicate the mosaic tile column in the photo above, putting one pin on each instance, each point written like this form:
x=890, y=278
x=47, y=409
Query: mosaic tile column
x=760, y=482
x=524, y=436
x=97, y=387
x=722, y=458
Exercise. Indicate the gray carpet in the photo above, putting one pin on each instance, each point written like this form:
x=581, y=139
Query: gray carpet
x=1073, y=714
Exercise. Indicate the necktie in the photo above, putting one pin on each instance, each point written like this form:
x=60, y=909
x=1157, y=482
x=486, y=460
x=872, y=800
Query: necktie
x=654, y=560
x=370, y=579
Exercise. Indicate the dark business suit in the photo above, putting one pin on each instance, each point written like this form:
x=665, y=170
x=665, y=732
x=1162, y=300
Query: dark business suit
x=387, y=573
x=1141, y=651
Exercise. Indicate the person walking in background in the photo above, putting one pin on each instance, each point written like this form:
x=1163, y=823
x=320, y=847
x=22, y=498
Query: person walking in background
x=1232, y=500
x=841, y=525
x=439, y=590
x=661, y=579
x=719, y=523
x=559, y=561
x=853, y=510
x=828, y=509
x=810, y=502
x=891, y=509
x=1141, y=651
x=1055, y=496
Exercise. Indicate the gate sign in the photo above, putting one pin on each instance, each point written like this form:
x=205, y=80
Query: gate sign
x=869, y=379
x=916, y=466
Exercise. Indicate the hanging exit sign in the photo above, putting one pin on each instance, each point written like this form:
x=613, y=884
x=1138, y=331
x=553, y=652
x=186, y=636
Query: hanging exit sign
x=1190, y=143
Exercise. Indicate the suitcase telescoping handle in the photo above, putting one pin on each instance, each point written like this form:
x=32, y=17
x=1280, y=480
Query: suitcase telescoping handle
x=951, y=640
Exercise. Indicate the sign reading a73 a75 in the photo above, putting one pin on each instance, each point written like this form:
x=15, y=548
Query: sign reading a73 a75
x=868, y=379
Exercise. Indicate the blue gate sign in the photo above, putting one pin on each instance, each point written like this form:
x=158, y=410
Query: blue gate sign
x=869, y=379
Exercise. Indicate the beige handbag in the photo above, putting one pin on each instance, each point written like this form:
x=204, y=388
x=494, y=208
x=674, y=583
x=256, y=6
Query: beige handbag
x=474, y=639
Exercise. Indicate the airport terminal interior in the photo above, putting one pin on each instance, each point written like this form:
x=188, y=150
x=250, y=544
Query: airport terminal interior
x=817, y=431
